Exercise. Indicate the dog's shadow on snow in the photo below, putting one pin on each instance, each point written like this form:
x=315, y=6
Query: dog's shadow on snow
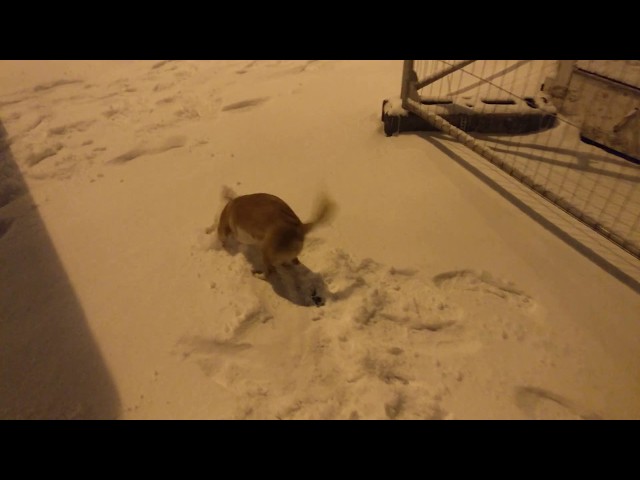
x=299, y=285
x=295, y=283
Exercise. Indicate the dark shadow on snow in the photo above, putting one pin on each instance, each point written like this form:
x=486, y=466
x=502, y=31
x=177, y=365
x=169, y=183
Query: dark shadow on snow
x=299, y=285
x=614, y=157
x=540, y=219
x=50, y=365
x=585, y=161
x=295, y=283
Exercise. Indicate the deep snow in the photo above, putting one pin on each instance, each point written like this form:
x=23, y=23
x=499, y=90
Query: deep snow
x=443, y=300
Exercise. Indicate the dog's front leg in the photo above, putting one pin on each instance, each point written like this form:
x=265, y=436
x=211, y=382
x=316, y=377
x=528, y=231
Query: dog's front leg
x=268, y=268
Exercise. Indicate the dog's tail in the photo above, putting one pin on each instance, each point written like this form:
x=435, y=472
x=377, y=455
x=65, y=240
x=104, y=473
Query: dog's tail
x=227, y=193
x=323, y=212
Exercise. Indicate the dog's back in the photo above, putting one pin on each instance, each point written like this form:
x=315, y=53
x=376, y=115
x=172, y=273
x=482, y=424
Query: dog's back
x=252, y=217
x=267, y=221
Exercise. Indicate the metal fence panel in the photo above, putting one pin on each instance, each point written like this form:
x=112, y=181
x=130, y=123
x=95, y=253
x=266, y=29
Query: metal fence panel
x=568, y=129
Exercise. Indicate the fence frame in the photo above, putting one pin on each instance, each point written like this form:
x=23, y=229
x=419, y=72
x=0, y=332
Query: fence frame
x=411, y=102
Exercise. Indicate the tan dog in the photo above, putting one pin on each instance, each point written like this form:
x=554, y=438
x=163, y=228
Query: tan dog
x=267, y=221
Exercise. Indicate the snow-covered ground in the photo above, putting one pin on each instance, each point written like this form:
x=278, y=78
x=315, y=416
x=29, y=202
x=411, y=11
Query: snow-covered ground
x=443, y=300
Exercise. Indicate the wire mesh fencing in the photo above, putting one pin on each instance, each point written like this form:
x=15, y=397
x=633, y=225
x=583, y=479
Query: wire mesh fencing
x=567, y=129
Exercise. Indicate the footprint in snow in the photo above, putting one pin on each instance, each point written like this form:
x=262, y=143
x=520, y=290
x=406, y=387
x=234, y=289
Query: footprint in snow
x=540, y=404
x=169, y=144
x=484, y=282
x=245, y=104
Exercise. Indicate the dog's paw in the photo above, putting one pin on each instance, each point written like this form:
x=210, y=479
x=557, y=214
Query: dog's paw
x=260, y=274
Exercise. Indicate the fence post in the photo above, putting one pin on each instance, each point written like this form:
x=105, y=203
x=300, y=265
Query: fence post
x=559, y=85
x=409, y=77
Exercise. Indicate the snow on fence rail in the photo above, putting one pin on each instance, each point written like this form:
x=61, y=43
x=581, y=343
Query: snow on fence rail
x=563, y=128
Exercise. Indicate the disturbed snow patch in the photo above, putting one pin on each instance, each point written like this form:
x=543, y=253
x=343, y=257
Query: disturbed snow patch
x=389, y=343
